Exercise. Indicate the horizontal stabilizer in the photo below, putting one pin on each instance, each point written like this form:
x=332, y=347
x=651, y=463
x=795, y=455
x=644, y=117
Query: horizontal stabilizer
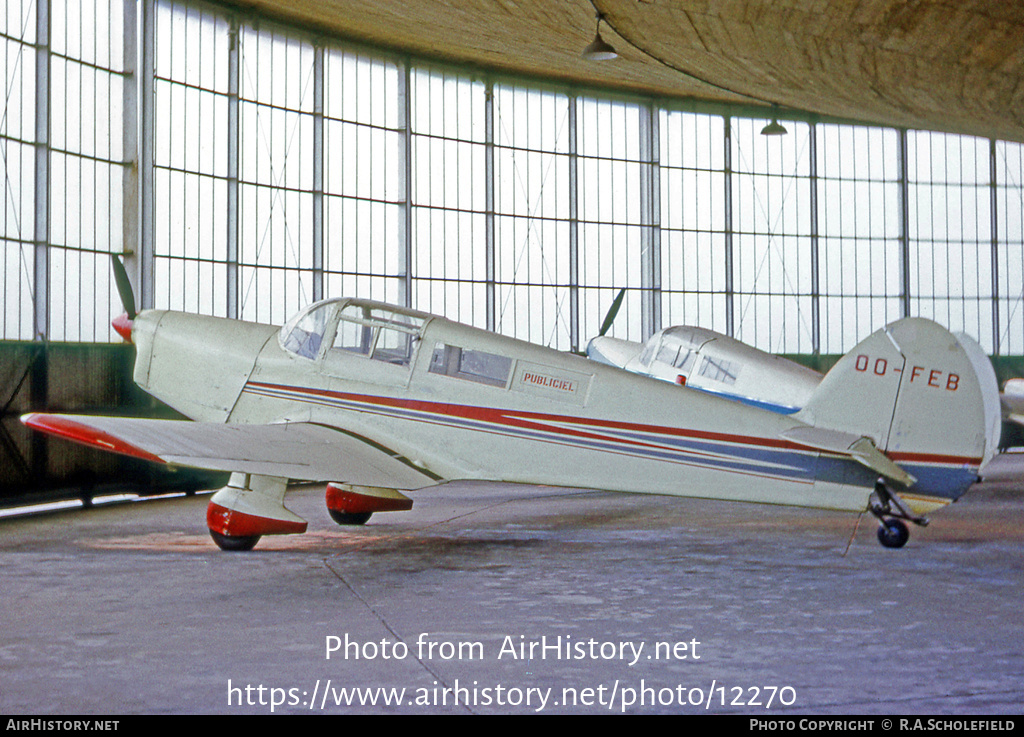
x=298, y=450
x=857, y=447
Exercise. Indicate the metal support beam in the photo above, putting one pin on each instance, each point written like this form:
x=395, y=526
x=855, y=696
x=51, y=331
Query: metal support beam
x=41, y=218
x=815, y=260
x=730, y=308
x=130, y=232
x=489, y=246
x=405, y=257
x=574, y=228
x=904, y=181
x=233, y=133
x=39, y=388
x=993, y=171
x=650, y=220
x=318, y=172
x=144, y=264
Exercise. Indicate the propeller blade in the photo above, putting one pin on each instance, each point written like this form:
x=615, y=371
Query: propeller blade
x=124, y=286
x=612, y=312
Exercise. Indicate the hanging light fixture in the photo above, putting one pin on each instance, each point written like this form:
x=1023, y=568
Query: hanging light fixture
x=775, y=128
x=599, y=49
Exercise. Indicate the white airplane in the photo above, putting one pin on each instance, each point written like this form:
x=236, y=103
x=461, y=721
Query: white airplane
x=381, y=400
x=714, y=363
x=717, y=364
x=1013, y=400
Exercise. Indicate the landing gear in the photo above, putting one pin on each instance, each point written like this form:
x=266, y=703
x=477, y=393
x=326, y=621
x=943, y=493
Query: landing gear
x=349, y=504
x=891, y=511
x=892, y=533
x=349, y=518
x=234, y=542
x=249, y=507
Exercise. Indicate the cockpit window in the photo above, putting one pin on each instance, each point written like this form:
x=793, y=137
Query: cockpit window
x=718, y=369
x=379, y=333
x=304, y=335
x=667, y=354
x=684, y=360
x=353, y=335
x=674, y=353
x=393, y=346
x=369, y=330
x=648, y=353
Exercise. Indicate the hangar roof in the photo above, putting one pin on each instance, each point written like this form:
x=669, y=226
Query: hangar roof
x=948, y=65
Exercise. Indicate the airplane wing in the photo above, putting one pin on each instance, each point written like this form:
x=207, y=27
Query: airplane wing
x=298, y=450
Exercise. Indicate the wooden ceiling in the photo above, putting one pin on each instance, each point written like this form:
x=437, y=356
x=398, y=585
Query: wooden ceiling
x=948, y=65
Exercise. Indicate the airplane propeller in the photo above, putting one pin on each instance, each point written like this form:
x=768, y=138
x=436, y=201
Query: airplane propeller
x=609, y=318
x=123, y=323
x=124, y=286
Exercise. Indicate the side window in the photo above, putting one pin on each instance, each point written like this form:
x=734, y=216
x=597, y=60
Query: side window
x=464, y=363
x=353, y=337
x=684, y=360
x=667, y=354
x=393, y=346
x=717, y=369
x=648, y=354
x=382, y=335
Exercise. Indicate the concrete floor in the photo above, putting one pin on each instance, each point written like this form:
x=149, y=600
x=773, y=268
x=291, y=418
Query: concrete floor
x=131, y=609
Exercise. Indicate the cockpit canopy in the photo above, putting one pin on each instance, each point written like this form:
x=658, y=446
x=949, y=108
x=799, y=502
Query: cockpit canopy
x=381, y=332
x=673, y=354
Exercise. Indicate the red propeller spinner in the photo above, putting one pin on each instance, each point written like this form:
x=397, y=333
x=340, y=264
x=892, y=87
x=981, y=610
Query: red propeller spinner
x=123, y=323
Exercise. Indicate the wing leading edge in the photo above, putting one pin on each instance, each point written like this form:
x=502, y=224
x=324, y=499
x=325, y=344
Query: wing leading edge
x=300, y=450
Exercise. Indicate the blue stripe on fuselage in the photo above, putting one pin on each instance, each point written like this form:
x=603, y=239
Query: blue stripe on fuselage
x=779, y=409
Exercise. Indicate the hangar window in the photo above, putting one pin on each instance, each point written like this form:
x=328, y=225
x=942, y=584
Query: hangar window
x=503, y=204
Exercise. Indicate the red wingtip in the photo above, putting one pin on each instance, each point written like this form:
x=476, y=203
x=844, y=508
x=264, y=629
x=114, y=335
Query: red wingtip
x=123, y=326
x=80, y=432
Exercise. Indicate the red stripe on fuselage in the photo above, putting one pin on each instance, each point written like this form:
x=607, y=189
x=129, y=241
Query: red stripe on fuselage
x=530, y=420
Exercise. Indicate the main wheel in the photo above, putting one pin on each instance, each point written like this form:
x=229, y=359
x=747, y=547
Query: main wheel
x=234, y=543
x=893, y=533
x=349, y=518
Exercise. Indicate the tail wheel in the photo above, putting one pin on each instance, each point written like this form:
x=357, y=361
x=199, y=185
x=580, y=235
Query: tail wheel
x=893, y=533
x=235, y=543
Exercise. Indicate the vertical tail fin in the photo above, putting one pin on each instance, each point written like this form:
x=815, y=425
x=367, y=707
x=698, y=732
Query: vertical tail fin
x=925, y=397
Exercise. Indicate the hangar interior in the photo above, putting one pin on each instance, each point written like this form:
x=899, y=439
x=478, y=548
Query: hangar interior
x=247, y=158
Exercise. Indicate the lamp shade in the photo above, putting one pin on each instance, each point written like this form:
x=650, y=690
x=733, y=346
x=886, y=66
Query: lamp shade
x=599, y=50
